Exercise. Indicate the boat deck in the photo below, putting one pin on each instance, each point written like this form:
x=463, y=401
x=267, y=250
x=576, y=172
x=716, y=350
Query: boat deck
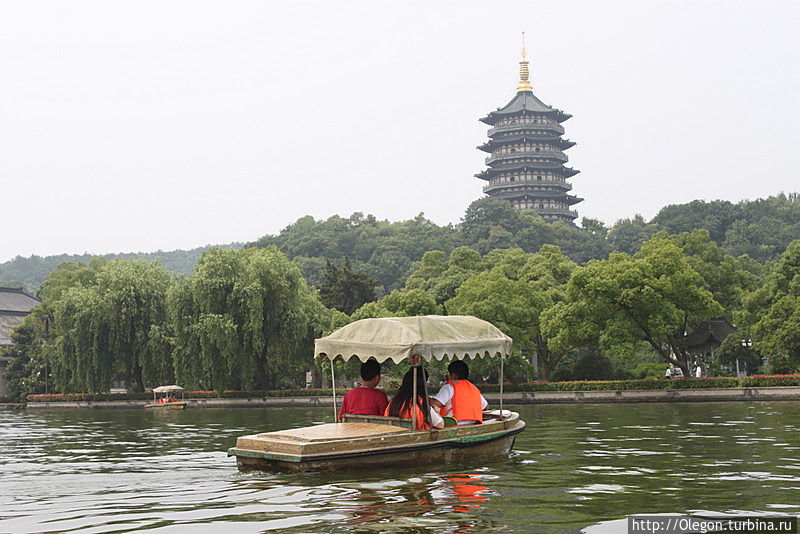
x=333, y=431
x=335, y=438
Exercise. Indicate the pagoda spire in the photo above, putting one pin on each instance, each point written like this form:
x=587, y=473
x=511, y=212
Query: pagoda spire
x=524, y=73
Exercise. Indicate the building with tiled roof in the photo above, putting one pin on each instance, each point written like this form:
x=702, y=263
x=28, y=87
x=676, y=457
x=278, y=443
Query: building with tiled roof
x=15, y=305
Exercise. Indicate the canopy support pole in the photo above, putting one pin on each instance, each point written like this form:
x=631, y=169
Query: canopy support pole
x=333, y=388
x=501, y=387
x=414, y=395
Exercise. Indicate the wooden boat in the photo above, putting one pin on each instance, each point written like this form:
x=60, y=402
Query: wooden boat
x=164, y=399
x=368, y=441
x=351, y=444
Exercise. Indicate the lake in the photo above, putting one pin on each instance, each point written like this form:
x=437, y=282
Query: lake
x=576, y=466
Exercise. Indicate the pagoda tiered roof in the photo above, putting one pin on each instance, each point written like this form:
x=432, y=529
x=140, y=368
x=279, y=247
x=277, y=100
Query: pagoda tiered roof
x=495, y=142
x=571, y=199
x=566, y=172
x=523, y=102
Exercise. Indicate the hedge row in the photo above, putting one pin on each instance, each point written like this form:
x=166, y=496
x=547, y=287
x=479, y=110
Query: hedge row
x=651, y=383
x=60, y=397
x=680, y=383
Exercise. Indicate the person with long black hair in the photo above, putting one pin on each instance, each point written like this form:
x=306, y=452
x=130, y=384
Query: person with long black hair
x=401, y=403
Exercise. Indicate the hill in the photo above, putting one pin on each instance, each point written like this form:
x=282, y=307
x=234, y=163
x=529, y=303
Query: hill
x=388, y=251
x=30, y=272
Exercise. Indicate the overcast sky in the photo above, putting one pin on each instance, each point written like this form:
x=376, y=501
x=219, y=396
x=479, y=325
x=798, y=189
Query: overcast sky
x=137, y=126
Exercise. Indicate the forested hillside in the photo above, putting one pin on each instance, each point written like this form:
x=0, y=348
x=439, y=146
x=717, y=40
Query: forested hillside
x=247, y=318
x=388, y=251
x=30, y=272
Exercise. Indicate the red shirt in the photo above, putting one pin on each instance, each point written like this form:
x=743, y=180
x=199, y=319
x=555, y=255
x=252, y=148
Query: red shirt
x=364, y=401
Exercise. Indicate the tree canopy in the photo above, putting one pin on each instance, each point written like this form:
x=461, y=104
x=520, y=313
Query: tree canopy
x=654, y=296
x=774, y=312
x=346, y=289
x=389, y=251
x=244, y=319
x=109, y=325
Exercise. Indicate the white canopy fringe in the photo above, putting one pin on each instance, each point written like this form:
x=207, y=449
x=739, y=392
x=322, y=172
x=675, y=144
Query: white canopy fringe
x=430, y=337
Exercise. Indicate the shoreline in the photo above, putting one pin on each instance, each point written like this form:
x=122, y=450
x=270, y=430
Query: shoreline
x=523, y=397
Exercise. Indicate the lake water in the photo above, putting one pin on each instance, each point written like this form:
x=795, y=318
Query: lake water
x=575, y=467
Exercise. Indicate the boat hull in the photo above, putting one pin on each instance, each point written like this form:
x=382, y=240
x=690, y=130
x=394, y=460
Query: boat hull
x=166, y=406
x=435, y=451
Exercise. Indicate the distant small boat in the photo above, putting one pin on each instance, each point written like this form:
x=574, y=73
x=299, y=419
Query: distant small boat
x=164, y=398
x=367, y=441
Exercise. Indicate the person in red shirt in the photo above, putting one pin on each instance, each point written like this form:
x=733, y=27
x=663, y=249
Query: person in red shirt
x=365, y=399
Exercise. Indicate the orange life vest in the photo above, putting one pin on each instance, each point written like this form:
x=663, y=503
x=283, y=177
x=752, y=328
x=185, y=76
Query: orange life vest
x=466, y=402
x=406, y=413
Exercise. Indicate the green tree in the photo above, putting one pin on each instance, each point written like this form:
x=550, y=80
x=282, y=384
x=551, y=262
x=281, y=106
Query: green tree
x=722, y=275
x=441, y=278
x=594, y=226
x=774, y=309
x=346, y=289
x=627, y=235
x=112, y=329
x=385, y=250
x=487, y=219
x=28, y=372
x=514, y=294
x=244, y=319
x=734, y=350
x=68, y=276
x=654, y=296
x=399, y=303
x=714, y=216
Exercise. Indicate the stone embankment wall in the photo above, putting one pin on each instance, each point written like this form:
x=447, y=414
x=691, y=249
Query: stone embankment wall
x=533, y=397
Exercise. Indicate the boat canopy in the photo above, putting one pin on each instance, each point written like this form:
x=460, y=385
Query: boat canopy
x=167, y=389
x=430, y=337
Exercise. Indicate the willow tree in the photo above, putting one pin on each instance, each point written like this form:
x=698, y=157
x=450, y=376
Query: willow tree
x=243, y=319
x=112, y=328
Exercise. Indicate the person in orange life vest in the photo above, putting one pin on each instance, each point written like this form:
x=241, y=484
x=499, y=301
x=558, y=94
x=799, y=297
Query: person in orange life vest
x=458, y=397
x=400, y=405
x=365, y=399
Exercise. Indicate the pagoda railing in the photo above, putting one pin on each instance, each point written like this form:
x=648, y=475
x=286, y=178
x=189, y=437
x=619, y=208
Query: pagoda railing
x=561, y=185
x=556, y=211
x=553, y=154
x=509, y=127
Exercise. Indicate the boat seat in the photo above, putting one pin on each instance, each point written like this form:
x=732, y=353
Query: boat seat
x=378, y=419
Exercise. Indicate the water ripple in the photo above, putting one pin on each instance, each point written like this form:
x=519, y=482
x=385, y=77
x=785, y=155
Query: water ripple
x=98, y=471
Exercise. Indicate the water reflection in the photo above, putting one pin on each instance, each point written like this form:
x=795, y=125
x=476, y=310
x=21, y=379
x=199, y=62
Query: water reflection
x=577, y=465
x=467, y=490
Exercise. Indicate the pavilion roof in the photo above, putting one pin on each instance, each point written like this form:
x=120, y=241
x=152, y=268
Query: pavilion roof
x=711, y=332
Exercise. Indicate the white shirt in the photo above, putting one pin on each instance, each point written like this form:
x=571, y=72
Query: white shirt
x=436, y=419
x=445, y=396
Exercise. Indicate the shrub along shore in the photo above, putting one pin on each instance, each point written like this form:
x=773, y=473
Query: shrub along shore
x=758, y=381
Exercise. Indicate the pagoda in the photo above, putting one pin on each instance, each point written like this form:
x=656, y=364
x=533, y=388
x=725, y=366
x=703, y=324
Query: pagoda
x=526, y=155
